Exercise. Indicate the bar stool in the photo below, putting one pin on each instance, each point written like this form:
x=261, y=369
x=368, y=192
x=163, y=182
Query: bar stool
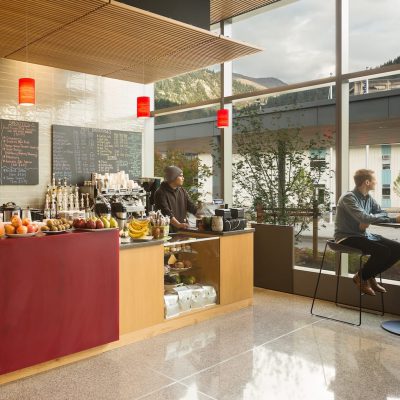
x=340, y=249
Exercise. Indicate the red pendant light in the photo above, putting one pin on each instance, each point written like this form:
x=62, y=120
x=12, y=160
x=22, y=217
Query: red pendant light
x=222, y=118
x=143, y=106
x=26, y=91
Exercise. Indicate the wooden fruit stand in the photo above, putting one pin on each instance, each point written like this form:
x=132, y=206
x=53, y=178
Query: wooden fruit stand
x=141, y=290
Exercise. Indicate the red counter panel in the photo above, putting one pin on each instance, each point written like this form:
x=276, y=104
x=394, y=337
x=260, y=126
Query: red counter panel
x=58, y=295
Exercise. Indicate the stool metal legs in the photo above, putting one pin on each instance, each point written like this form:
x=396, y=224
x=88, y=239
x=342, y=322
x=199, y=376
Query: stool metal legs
x=382, y=302
x=338, y=274
x=337, y=290
x=319, y=277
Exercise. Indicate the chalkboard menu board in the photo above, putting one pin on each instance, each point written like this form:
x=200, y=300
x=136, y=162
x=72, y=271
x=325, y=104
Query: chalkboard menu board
x=79, y=151
x=19, y=152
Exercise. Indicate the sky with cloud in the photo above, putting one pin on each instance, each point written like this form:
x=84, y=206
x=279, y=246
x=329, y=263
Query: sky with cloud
x=299, y=38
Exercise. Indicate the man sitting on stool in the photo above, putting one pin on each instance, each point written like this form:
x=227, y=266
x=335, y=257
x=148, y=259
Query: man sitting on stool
x=356, y=210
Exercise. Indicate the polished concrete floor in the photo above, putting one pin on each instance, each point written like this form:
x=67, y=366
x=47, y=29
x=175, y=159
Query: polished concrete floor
x=273, y=350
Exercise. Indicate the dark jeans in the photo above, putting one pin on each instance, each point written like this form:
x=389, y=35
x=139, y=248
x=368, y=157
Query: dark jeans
x=383, y=254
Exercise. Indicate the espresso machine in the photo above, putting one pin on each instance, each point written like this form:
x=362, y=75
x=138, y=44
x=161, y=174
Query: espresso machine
x=150, y=185
x=118, y=211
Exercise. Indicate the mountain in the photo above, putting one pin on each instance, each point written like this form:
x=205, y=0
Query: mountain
x=189, y=88
x=203, y=85
x=261, y=83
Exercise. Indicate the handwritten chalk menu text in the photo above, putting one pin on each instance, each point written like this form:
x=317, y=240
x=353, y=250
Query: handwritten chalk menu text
x=79, y=151
x=19, y=152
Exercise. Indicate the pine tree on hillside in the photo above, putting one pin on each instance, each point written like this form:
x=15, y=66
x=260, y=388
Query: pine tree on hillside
x=392, y=62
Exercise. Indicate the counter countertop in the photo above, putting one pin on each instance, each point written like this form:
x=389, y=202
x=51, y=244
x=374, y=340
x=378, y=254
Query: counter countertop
x=135, y=245
x=230, y=233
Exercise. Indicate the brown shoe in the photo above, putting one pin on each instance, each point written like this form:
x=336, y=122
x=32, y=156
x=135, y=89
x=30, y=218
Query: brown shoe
x=363, y=285
x=376, y=286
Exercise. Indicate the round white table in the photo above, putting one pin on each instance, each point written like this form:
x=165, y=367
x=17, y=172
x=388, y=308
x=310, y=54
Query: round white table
x=391, y=326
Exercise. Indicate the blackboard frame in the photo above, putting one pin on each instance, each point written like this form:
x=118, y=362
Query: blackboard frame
x=22, y=176
x=67, y=142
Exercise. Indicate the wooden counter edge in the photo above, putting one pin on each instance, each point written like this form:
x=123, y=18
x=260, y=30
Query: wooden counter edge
x=168, y=325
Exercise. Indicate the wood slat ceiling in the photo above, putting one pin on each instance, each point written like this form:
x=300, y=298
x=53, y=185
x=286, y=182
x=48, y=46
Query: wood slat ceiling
x=225, y=9
x=109, y=38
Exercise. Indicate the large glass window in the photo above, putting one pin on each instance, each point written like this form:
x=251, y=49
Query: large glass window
x=298, y=39
x=278, y=134
x=373, y=32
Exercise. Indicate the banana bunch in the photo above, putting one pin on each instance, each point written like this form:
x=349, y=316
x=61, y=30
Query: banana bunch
x=138, y=228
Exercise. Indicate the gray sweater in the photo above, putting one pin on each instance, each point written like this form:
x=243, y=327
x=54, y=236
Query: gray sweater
x=354, y=209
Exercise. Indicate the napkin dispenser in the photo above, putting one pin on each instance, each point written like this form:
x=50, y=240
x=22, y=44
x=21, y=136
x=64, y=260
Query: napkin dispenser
x=225, y=213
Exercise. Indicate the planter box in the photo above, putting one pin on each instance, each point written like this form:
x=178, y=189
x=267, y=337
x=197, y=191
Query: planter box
x=274, y=257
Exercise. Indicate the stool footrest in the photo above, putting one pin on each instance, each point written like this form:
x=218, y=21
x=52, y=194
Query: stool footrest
x=338, y=320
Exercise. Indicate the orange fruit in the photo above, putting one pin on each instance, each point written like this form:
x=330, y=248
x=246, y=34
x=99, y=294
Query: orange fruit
x=26, y=221
x=16, y=221
x=22, y=230
x=10, y=229
x=2, y=229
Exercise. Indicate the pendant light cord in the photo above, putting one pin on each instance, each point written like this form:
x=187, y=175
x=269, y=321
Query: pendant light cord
x=143, y=64
x=26, y=36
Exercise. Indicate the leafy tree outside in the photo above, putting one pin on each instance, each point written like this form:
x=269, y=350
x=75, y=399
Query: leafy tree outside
x=194, y=170
x=279, y=169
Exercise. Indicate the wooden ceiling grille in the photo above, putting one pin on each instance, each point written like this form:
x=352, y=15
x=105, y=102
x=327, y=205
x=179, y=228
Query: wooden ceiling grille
x=37, y=18
x=225, y=9
x=108, y=38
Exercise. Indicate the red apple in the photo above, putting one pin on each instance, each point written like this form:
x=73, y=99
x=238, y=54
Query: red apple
x=90, y=224
x=31, y=228
x=81, y=224
x=99, y=224
x=75, y=223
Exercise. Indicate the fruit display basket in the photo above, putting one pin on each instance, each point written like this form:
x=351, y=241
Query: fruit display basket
x=20, y=235
x=57, y=232
x=94, y=230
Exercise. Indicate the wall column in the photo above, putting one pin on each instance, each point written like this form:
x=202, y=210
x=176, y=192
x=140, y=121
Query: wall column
x=148, y=136
x=342, y=97
x=342, y=106
x=227, y=133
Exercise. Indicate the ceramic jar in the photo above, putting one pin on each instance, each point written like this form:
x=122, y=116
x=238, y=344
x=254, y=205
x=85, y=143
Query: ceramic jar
x=217, y=224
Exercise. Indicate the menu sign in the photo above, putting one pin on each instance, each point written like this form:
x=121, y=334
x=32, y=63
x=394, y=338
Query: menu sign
x=19, y=152
x=79, y=151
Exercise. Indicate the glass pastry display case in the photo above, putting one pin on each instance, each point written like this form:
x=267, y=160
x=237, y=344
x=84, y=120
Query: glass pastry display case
x=191, y=274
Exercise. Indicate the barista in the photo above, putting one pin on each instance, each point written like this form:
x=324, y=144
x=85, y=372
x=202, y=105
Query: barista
x=173, y=200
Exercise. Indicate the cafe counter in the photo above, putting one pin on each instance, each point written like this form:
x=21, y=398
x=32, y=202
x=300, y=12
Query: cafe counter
x=68, y=297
